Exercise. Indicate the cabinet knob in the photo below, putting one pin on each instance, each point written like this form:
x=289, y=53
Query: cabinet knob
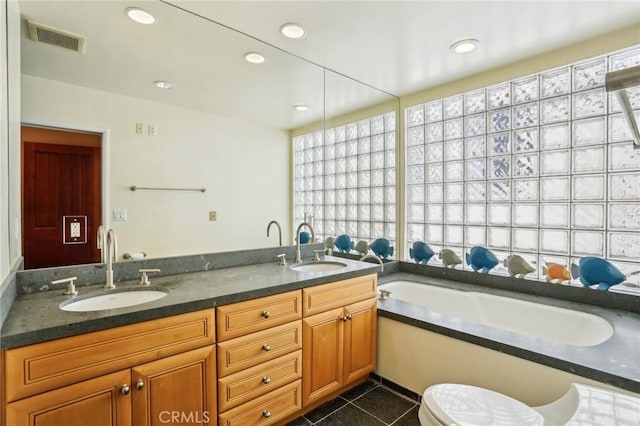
x=266, y=380
x=266, y=414
x=125, y=389
x=139, y=384
x=265, y=314
x=266, y=348
x=349, y=316
x=343, y=318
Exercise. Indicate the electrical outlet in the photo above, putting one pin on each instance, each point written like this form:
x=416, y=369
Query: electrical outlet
x=213, y=216
x=139, y=128
x=153, y=130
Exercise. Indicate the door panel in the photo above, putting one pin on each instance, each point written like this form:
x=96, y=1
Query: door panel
x=61, y=177
x=360, y=340
x=322, y=340
x=99, y=402
x=179, y=389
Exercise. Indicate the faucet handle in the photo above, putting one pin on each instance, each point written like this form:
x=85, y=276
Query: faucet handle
x=144, y=279
x=316, y=254
x=283, y=260
x=71, y=288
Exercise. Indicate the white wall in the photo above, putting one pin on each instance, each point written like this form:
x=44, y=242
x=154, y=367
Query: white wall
x=244, y=167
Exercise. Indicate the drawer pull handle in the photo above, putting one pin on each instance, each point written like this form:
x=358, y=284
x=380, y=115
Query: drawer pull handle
x=125, y=389
x=139, y=384
x=266, y=348
x=266, y=380
x=265, y=314
x=266, y=414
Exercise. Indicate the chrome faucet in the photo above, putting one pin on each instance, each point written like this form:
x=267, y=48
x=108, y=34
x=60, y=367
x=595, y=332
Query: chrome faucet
x=275, y=222
x=112, y=255
x=101, y=241
x=313, y=237
x=374, y=257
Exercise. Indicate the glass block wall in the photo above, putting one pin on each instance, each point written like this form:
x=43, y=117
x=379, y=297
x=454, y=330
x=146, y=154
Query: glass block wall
x=344, y=179
x=542, y=166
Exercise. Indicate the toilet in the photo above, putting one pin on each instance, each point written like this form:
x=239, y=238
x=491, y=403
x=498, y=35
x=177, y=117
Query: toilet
x=450, y=404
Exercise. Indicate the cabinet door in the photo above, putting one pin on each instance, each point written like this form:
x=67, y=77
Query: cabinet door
x=103, y=401
x=359, y=340
x=322, y=341
x=177, y=390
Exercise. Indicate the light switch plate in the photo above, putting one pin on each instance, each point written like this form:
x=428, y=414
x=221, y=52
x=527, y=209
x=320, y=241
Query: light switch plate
x=213, y=216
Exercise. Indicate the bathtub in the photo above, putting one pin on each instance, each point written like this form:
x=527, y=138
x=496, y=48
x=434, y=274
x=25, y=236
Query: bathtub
x=530, y=319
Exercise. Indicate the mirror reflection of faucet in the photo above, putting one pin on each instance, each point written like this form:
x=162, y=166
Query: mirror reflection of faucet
x=112, y=256
x=275, y=222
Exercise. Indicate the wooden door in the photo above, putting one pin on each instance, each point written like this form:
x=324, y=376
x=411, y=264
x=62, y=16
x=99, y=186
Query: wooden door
x=180, y=389
x=360, y=340
x=61, y=198
x=322, y=361
x=98, y=402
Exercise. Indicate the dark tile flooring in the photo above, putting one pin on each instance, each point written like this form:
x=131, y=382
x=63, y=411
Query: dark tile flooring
x=369, y=404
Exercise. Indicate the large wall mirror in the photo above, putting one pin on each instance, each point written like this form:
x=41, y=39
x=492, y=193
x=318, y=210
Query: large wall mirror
x=225, y=126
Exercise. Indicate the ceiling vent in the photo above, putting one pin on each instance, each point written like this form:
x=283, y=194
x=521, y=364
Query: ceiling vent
x=55, y=37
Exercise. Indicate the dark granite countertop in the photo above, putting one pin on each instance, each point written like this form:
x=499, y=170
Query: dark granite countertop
x=615, y=361
x=36, y=317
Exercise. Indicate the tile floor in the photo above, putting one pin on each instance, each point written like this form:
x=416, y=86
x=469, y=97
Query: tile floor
x=369, y=404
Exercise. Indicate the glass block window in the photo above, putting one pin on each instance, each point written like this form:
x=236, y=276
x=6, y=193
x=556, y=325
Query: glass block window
x=542, y=166
x=345, y=179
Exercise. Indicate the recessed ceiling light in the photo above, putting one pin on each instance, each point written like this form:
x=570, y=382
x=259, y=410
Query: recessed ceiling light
x=162, y=84
x=140, y=16
x=464, y=46
x=254, y=58
x=291, y=30
x=301, y=107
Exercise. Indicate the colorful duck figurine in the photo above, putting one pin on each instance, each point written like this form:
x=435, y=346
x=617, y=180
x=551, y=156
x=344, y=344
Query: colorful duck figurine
x=594, y=270
x=516, y=265
x=556, y=272
x=449, y=258
x=362, y=247
x=381, y=248
x=343, y=243
x=421, y=252
x=481, y=259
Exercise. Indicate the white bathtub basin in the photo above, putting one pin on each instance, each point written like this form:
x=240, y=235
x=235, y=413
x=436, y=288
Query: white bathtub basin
x=531, y=319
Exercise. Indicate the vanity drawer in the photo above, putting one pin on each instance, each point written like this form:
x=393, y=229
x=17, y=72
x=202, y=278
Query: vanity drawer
x=322, y=298
x=40, y=367
x=268, y=409
x=243, y=386
x=246, y=351
x=247, y=317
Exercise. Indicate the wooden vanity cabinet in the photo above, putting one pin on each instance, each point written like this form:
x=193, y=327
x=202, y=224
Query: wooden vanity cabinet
x=144, y=374
x=339, y=343
x=260, y=360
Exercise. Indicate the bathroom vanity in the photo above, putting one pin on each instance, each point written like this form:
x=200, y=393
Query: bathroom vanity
x=259, y=343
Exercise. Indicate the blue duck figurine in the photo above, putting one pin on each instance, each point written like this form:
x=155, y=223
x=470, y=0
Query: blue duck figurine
x=594, y=270
x=481, y=259
x=421, y=252
x=343, y=243
x=381, y=248
x=362, y=247
x=304, y=237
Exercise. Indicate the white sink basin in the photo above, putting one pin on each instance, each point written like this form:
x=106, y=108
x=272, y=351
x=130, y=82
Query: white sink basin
x=321, y=266
x=112, y=300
